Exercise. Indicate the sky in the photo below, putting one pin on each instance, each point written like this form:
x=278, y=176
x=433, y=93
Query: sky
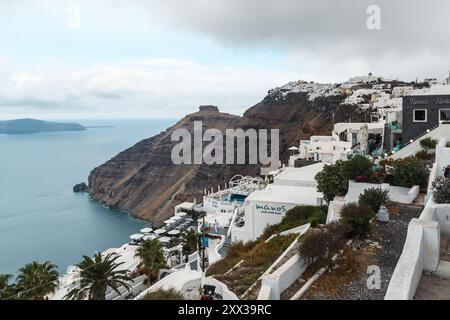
x=73, y=59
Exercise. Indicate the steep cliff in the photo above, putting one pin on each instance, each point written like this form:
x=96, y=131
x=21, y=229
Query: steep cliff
x=143, y=180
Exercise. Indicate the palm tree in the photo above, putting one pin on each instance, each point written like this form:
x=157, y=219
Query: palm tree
x=152, y=258
x=97, y=275
x=190, y=238
x=36, y=280
x=7, y=291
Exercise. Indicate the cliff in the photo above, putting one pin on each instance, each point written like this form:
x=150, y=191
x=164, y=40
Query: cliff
x=143, y=180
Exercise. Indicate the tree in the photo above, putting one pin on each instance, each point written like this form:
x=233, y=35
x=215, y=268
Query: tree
x=409, y=172
x=190, y=241
x=7, y=291
x=36, y=280
x=357, y=166
x=331, y=182
x=374, y=198
x=428, y=144
x=97, y=275
x=152, y=258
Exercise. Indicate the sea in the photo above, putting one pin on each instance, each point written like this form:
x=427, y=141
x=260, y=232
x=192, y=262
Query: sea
x=41, y=218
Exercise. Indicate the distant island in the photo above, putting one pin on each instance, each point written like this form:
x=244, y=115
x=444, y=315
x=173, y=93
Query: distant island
x=29, y=126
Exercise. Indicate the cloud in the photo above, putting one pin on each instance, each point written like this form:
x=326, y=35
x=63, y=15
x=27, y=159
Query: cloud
x=333, y=33
x=165, y=88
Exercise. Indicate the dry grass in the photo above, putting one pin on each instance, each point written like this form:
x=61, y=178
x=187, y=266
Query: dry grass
x=349, y=267
x=256, y=262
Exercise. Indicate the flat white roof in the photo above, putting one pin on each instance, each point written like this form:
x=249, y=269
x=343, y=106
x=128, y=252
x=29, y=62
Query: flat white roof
x=303, y=175
x=185, y=205
x=287, y=194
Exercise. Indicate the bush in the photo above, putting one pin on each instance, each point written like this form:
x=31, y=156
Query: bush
x=162, y=294
x=409, y=172
x=428, y=144
x=333, y=179
x=325, y=242
x=374, y=198
x=331, y=182
x=298, y=216
x=423, y=155
x=441, y=190
x=358, y=166
x=356, y=219
x=314, y=243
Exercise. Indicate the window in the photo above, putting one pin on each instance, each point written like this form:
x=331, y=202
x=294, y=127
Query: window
x=444, y=115
x=420, y=115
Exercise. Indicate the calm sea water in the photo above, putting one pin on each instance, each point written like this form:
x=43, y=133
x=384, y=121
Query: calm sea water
x=40, y=217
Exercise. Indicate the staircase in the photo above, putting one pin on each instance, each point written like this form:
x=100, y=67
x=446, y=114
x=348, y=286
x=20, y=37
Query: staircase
x=387, y=144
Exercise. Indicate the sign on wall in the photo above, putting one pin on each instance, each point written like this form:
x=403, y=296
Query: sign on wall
x=270, y=209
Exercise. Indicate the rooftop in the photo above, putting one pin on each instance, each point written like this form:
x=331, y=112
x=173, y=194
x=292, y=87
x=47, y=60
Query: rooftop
x=287, y=194
x=304, y=176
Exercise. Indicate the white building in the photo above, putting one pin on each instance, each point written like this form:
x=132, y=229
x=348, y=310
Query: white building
x=291, y=188
x=323, y=148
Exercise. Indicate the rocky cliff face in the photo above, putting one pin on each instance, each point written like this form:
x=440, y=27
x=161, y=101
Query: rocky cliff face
x=143, y=180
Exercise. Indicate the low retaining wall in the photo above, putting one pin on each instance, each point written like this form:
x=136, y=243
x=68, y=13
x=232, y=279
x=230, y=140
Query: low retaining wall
x=275, y=283
x=421, y=251
x=397, y=194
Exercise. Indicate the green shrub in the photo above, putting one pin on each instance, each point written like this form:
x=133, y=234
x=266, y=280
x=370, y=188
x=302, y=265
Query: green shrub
x=298, y=216
x=356, y=167
x=333, y=179
x=161, y=294
x=331, y=182
x=374, y=198
x=423, y=155
x=356, y=219
x=409, y=172
x=428, y=144
x=441, y=190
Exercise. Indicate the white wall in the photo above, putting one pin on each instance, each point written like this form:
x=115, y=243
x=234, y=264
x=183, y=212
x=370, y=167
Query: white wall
x=420, y=252
x=396, y=194
x=283, y=277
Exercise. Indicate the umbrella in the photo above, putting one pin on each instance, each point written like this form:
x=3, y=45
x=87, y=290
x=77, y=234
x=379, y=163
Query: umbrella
x=146, y=230
x=173, y=232
x=160, y=231
x=293, y=149
x=181, y=214
x=176, y=218
x=150, y=237
x=136, y=236
x=164, y=239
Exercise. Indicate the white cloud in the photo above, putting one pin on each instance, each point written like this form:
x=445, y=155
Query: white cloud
x=164, y=88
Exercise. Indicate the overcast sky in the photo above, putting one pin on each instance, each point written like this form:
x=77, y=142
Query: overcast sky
x=161, y=59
